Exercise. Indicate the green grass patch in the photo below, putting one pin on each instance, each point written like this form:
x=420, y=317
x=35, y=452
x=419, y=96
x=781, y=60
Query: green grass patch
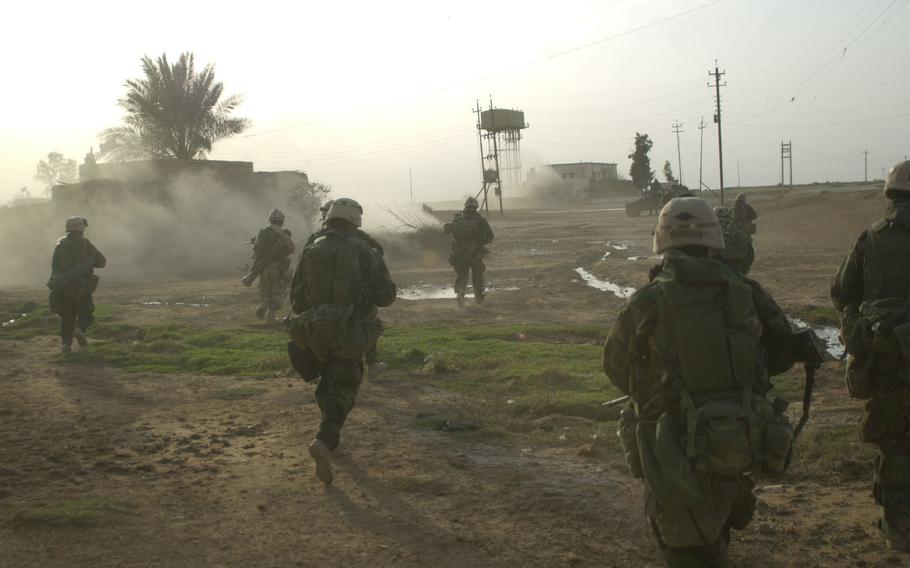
x=529, y=370
x=41, y=321
x=176, y=348
x=82, y=512
x=818, y=315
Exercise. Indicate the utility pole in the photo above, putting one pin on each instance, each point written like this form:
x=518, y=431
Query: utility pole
x=738, y=182
x=701, y=150
x=865, y=166
x=717, y=74
x=786, y=153
x=677, y=128
x=411, y=184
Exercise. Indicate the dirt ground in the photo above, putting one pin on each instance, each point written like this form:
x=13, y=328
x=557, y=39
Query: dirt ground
x=193, y=479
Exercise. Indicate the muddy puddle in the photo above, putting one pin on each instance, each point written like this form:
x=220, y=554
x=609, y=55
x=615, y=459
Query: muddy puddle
x=435, y=292
x=829, y=334
x=604, y=285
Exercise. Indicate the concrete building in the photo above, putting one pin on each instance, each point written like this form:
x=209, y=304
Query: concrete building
x=160, y=180
x=580, y=179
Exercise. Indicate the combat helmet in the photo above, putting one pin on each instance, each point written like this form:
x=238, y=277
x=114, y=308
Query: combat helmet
x=897, y=183
x=76, y=224
x=471, y=203
x=276, y=216
x=687, y=221
x=346, y=209
x=324, y=208
x=724, y=215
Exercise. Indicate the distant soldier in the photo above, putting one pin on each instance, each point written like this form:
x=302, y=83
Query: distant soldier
x=872, y=289
x=73, y=281
x=744, y=214
x=471, y=233
x=689, y=349
x=272, y=250
x=738, y=251
x=374, y=365
x=339, y=282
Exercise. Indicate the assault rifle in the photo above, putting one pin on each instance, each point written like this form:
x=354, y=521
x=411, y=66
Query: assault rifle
x=59, y=282
x=260, y=263
x=811, y=350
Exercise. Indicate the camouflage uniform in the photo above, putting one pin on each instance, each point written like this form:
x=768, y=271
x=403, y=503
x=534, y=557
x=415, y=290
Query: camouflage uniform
x=340, y=376
x=876, y=270
x=74, y=302
x=468, y=249
x=692, y=514
x=744, y=215
x=276, y=274
x=738, y=252
x=372, y=355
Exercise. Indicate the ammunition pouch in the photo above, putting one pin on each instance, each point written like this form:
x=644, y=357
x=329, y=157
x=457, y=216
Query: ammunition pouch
x=330, y=330
x=859, y=376
x=304, y=362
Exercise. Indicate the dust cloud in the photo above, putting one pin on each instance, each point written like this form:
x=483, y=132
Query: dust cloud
x=200, y=229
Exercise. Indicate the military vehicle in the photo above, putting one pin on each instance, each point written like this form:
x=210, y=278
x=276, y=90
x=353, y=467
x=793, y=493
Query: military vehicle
x=652, y=200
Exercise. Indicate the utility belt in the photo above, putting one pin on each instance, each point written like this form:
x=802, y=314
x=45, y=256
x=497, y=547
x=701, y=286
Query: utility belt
x=333, y=331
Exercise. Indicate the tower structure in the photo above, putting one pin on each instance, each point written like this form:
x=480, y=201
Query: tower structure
x=499, y=135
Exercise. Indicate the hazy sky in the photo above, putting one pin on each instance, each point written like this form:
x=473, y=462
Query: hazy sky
x=356, y=93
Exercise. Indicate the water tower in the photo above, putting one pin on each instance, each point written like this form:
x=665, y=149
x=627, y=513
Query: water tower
x=499, y=133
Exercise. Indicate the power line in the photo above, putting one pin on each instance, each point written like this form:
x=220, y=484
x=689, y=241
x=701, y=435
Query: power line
x=501, y=71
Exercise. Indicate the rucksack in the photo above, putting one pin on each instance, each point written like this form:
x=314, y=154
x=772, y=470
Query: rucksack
x=467, y=227
x=708, y=337
x=333, y=284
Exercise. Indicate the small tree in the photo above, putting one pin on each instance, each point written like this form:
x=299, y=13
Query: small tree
x=172, y=111
x=641, y=164
x=306, y=200
x=668, y=173
x=54, y=170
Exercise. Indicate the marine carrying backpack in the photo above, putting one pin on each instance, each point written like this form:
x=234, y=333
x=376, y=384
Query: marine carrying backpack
x=333, y=284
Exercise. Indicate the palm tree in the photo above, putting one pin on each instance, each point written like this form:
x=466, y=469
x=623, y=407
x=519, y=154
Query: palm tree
x=172, y=112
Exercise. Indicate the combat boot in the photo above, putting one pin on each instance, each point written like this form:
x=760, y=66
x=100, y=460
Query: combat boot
x=478, y=298
x=460, y=300
x=322, y=455
x=66, y=347
x=80, y=337
x=261, y=311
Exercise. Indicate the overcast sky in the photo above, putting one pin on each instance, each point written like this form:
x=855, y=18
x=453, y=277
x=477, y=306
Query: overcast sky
x=358, y=93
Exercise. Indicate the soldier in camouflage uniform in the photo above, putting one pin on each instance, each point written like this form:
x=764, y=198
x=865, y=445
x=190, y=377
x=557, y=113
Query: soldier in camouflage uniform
x=374, y=365
x=339, y=282
x=738, y=252
x=471, y=233
x=272, y=250
x=744, y=215
x=872, y=289
x=689, y=349
x=73, y=281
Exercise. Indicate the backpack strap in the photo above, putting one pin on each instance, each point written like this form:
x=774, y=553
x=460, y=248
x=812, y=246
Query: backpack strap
x=668, y=360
